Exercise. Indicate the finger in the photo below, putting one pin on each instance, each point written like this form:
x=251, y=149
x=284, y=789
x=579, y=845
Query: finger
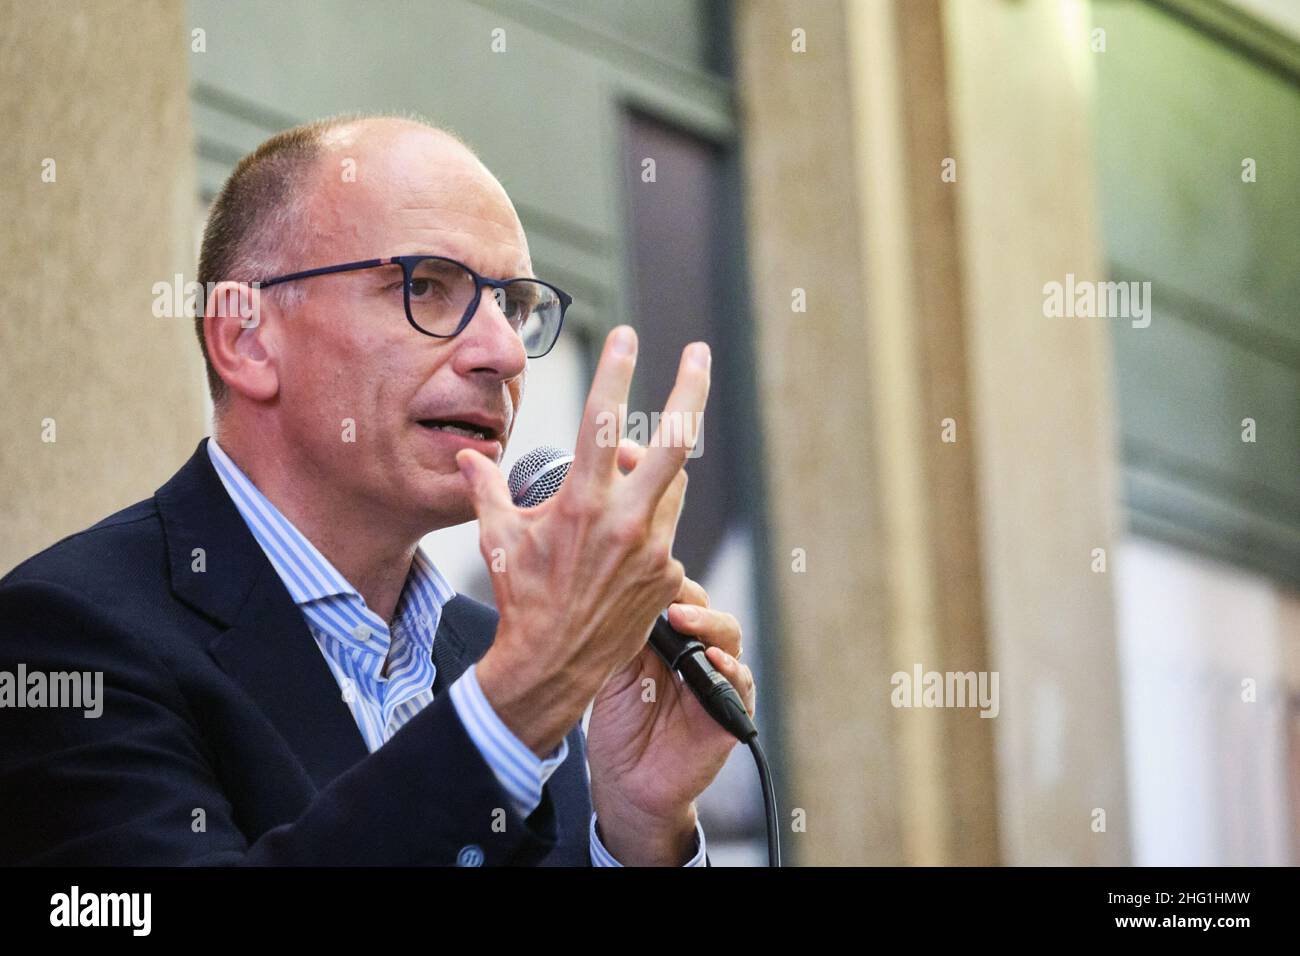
x=668, y=512
x=679, y=425
x=692, y=593
x=597, y=447
x=630, y=454
x=487, y=486
x=740, y=676
x=714, y=628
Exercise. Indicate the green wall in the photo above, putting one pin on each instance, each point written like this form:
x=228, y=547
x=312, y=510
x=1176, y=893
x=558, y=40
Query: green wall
x=1183, y=98
x=544, y=114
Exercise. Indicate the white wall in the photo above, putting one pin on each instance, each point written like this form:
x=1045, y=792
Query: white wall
x=1207, y=770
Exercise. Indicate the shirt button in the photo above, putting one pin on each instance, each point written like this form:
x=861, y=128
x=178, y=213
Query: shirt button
x=471, y=855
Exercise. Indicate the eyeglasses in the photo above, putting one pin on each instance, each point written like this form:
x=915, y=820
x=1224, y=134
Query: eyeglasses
x=442, y=295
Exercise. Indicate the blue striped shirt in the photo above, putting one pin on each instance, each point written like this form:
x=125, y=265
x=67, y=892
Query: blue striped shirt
x=357, y=644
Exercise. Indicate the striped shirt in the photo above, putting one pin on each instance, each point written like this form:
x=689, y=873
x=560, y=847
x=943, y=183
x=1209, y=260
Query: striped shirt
x=356, y=643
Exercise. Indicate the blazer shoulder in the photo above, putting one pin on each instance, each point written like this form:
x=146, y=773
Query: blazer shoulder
x=122, y=543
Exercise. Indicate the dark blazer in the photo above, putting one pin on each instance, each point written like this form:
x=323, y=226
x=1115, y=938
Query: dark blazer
x=224, y=738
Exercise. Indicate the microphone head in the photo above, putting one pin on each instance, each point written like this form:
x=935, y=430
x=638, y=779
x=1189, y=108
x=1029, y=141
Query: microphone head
x=538, y=475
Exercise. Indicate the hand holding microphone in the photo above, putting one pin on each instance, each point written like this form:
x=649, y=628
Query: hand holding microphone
x=582, y=564
x=582, y=576
x=535, y=478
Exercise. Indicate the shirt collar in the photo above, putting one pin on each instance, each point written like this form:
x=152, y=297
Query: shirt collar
x=307, y=574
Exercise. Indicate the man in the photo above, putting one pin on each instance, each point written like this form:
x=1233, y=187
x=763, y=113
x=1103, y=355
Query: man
x=287, y=679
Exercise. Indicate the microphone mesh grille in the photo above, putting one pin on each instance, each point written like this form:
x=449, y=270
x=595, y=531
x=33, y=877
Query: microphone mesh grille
x=538, y=475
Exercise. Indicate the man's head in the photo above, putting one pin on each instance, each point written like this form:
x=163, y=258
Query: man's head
x=332, y=382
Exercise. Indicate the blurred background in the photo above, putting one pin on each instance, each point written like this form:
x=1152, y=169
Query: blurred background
x=909, y=462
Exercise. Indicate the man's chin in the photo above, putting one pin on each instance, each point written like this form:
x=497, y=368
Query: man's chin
x=461, y=516
x=442, y=504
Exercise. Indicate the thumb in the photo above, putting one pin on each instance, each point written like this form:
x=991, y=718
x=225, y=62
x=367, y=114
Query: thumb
x=487, y=486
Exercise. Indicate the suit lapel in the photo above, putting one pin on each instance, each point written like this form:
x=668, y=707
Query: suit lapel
x=264, y=643
x=271, y=654
x=451, y=657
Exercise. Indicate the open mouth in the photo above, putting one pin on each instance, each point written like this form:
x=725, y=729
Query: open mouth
x=456, y=427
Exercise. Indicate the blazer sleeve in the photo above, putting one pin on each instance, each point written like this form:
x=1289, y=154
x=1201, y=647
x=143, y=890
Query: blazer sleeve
x=130, y=786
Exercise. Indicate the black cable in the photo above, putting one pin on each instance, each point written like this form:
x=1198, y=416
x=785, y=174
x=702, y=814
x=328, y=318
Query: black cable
x=769, y=802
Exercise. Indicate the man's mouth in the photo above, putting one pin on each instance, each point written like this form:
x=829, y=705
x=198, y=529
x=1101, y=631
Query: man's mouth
x=460, y=427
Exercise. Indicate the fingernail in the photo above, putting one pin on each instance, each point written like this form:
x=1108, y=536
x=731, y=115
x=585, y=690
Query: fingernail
x=690, y=614
x=700, y=355
x=623, y=341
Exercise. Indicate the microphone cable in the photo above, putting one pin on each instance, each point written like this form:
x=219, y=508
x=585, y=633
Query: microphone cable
x=769, y=802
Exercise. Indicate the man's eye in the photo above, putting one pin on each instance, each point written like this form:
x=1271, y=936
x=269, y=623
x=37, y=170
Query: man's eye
x=425, y=288
x=517, y=306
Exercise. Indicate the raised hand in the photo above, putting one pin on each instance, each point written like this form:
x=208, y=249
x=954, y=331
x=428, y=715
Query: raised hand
x=579, y=580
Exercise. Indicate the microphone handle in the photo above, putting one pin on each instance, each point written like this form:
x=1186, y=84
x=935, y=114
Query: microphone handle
x=685, y=655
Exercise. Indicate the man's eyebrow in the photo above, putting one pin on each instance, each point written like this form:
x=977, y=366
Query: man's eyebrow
x=385, y=272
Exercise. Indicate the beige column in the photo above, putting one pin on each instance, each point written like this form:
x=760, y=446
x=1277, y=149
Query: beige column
x=917, y=365
x=941, y=445
x=819, y=420
x=1020, y=77
x=99, y=204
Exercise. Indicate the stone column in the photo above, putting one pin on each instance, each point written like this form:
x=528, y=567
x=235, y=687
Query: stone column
x=941, y=451
x=99, y=203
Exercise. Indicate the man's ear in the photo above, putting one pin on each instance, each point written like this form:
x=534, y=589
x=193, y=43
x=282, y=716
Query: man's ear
x=239, y=326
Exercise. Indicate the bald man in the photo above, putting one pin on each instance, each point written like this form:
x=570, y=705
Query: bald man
x=286, y=677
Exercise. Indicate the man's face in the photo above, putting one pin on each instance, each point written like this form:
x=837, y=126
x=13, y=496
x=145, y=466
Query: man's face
x=348, y=354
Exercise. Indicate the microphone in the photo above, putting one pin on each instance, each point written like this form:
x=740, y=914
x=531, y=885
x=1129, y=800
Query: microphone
x=536, y=477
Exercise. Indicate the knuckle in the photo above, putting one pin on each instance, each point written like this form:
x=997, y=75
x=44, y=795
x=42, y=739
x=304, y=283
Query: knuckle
x=594, y=411
x=659, y=556
x=599, y=421
x=571, y=507
x=674, y=569
x=677, y=460
x=581, y=508
x=631, y=533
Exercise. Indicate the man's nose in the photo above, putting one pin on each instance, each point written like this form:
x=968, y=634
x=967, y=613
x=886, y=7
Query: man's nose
x=489, y=344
